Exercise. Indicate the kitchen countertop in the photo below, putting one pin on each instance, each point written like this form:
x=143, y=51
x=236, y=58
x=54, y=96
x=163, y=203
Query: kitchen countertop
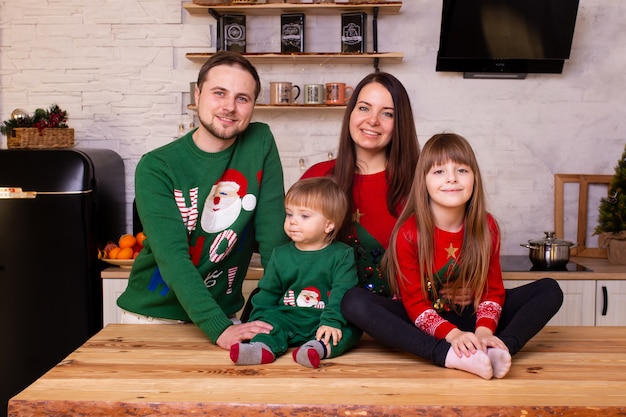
x=598, y=269
x=149, y=370
x=255, y=270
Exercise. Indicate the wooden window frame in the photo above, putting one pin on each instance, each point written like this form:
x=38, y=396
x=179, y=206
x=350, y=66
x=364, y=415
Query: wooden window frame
x=584, y=182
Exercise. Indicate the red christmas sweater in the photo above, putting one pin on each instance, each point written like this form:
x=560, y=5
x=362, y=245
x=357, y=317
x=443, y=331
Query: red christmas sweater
x=448, y=246
x=372, y=224
x=369, y=193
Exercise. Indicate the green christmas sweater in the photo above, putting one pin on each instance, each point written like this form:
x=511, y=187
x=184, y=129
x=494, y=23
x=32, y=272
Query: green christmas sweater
x=306, y=287
x=203, y=214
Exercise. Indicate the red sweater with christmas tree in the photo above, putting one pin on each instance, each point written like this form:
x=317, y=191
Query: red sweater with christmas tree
x=372, y=223
x=448, y=246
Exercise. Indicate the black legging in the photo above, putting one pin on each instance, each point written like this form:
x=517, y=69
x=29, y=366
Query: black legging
x=526, y=311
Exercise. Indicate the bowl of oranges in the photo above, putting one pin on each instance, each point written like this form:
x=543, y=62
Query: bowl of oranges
x=124, y=252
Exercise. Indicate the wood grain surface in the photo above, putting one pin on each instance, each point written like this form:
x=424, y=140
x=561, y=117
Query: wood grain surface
x=173, y=370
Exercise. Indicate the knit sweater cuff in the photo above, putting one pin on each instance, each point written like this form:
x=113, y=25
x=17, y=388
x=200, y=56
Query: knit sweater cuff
x=215, y=326
x=488, y=323
x=443, y=329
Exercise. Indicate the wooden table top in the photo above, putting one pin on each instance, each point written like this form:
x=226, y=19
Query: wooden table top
x=173, y=370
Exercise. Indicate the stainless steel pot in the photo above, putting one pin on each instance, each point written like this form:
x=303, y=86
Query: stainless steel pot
x=549, y=252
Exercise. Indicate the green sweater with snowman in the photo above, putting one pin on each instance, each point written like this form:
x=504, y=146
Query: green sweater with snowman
x=203, y=215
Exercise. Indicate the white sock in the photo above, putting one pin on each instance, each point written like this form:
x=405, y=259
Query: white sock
x=500, y=361
x=477, y=363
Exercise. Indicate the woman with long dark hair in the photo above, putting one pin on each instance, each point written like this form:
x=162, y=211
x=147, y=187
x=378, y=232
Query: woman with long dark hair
x=378, y=151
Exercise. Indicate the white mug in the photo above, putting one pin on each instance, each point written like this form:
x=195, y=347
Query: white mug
x=314, y=94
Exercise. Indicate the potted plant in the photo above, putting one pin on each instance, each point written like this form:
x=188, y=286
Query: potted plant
x=611, y=229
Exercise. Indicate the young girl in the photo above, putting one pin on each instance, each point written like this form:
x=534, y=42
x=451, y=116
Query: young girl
x=302, y=287
x=446, y=237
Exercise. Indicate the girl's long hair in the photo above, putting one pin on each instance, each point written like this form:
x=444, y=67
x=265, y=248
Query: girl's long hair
x=402, y=151
x=474, y=257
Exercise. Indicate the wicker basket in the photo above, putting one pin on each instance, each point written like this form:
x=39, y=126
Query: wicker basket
x=31, y=137
x=212, y=2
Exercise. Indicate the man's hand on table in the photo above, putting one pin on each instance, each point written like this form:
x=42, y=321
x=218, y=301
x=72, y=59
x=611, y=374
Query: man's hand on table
x=242, y=332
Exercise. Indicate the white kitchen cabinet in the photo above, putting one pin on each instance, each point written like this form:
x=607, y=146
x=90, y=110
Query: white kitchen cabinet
x=610, y=303
x=579, y=302
x=578, y=307
x=111, y=289
x=584, y=302
x=583, y=291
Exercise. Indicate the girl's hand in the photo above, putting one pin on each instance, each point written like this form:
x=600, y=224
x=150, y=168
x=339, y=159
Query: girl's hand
x=464, y=343
x=487, y=339
x=326, y=333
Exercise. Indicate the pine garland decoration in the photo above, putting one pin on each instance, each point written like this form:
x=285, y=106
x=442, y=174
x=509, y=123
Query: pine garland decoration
x=612, y=217
x=54, y=117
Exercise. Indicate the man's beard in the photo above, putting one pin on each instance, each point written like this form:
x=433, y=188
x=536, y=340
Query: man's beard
x=210, y=127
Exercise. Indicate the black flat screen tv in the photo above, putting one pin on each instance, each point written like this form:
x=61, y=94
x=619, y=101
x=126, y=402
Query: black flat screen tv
x=505, y=38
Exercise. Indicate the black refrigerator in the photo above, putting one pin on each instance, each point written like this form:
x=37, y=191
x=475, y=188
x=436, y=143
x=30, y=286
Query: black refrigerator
x=71, y=202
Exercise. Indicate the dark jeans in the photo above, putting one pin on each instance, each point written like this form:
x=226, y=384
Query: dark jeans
x=247, y=308
x=526, y=311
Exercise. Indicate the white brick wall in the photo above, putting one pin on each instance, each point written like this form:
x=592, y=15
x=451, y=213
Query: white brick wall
x=118, y=68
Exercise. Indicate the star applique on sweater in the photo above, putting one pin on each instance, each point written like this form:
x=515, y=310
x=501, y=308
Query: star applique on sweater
x=451, y=251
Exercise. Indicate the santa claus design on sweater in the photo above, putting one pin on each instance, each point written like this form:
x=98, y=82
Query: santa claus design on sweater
x=222, y=207
x=225, y=201
x=309, y=297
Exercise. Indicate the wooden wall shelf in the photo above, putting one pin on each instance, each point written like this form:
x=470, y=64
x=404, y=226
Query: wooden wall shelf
x=290, y=107
x=269, y=9
x=307, y=58
x=375, y=7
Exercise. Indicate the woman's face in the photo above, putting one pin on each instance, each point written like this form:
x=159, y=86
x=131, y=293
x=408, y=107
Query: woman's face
x=372, y=120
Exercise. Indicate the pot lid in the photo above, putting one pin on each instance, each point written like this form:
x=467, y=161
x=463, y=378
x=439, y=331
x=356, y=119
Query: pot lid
x=550, y=240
